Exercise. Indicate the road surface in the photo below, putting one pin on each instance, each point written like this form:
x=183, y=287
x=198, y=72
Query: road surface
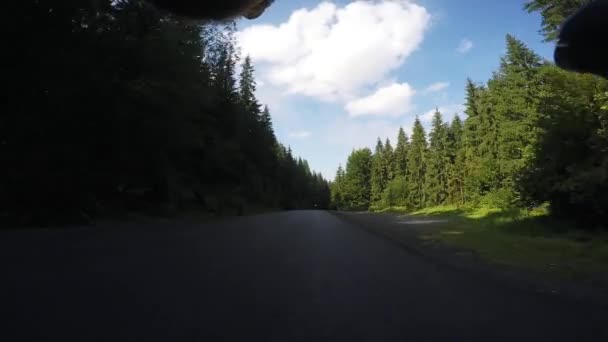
x=291, y=276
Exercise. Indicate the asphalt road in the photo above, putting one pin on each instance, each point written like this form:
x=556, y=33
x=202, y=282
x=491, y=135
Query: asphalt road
x=292, y=276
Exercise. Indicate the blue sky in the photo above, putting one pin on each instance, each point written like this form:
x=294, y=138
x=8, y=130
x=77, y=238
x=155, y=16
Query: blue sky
x=336, y=75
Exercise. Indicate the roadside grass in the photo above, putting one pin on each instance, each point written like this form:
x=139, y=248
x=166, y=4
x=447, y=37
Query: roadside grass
x=528, y=239
x=396, y=210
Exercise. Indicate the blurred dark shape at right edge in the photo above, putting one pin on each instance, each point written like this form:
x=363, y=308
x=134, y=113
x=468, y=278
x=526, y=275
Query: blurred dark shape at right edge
x=583, y=40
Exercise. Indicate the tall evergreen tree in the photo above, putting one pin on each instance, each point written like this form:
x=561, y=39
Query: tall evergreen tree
x=456, y=168
x=401, y=152
x=487, y=175
x=416, y=166
x=358, y=179
x=437, y=162
x=471, y=141
x=513, y=96
x=571, y=159
x=247, y=88
x=266, y=120
x=378, y=173
x=388, y=157
x=337, y=188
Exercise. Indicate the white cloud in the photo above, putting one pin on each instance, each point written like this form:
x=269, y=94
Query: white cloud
x=331, y=52
x=447, y=112
x=300, y=134
x=392, y=100
x=273, y=99
x=464, y=46
x=351, y=134
x=435, y=87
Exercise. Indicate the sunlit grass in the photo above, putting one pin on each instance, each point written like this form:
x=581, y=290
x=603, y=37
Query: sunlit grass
x=523, y=238
x=390, y=210
x=439, y=210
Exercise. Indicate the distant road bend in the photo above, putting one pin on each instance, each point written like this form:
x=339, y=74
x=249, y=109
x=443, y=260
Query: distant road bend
x=290, y=276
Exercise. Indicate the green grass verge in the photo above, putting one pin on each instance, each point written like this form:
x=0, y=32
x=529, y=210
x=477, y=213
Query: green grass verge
x=523, y=238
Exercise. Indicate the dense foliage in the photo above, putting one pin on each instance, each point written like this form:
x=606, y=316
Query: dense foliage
x=352, y=187
x=113, y=105
x=533, y=134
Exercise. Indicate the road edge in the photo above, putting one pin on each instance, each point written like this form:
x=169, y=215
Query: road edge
x=467, y=261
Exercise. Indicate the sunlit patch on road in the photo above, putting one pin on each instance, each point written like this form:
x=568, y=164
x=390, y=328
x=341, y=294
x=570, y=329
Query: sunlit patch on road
x=453, y=232
x=416, y=222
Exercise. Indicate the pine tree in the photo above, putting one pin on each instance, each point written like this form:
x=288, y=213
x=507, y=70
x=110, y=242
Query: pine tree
x=401, y=153
x=337, y=189
x=266, y=120
x=437, y=162
x=224, y=75
x=358, y=179
x=247, y=88
x=481, y=138
x=513, y=117
x=388, y=157
x=456, y=169
x=571, y=159
x=471, y=140
x=416, y=166
x=378, y=173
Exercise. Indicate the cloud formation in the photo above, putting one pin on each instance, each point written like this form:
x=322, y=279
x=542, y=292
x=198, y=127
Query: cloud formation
x=332, y=52
x=435, y=87
x=300, y=134
x=464, y=46
x=392, y=100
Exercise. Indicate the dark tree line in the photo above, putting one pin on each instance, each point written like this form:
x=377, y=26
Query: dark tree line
x=113, y=105
x=533, y=134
